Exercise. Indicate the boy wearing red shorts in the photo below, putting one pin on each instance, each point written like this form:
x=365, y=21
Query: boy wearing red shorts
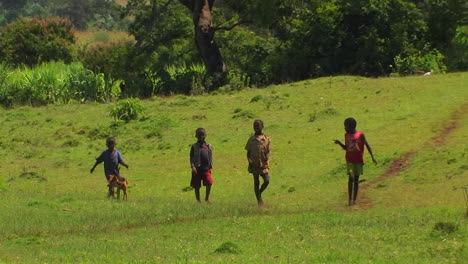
x=354, y=146
x=201, y=161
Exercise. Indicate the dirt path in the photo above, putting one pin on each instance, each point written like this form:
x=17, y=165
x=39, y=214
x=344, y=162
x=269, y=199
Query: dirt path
x=365, y=202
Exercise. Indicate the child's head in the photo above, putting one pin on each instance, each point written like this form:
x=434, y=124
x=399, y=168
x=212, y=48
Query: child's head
x=350, y=125
x=258, y=126
x=200, y=134
x=110, y=143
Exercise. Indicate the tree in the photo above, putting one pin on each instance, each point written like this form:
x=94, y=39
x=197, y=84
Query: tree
x=160, y=29
x=443, y=17
x=204, y=34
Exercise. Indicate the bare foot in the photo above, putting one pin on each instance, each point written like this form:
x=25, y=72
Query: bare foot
x=261, y=203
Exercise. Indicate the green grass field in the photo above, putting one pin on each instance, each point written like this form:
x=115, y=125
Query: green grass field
x=54, y=211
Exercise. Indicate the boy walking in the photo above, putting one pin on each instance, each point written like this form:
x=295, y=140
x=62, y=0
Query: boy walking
x=258, y=156
x=354, y=146
x=201, y=161
x=111, y=158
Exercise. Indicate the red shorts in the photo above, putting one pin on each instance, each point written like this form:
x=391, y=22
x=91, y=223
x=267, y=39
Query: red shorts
x=204, y=176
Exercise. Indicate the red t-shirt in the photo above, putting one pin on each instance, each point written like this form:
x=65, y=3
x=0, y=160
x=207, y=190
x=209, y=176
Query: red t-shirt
x=354, y=147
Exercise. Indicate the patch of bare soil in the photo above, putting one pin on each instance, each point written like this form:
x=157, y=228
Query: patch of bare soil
x=364, y=202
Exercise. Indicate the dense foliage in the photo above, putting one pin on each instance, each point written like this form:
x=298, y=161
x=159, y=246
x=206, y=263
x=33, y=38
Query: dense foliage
x=261, y=42
x=32, y=41
x=83, y=13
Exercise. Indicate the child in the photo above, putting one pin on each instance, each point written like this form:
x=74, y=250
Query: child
x=258, y=156
x=201, y=161
x=111, y=159
x=354, y=146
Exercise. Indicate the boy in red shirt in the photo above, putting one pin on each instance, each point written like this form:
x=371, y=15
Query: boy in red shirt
x=354, y=146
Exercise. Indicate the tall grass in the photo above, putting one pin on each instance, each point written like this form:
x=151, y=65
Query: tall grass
x=188, y=78
x=52, y=83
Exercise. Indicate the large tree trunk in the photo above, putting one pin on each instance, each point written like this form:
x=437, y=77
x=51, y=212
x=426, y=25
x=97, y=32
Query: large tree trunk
x=204, y=34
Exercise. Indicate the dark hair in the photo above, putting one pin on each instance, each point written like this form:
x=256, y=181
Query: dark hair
x=200, y=129
x=259, y=121
x=350, y=122
x=110, y=140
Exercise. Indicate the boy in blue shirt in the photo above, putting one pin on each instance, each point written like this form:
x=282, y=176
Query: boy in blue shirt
x=111, y=158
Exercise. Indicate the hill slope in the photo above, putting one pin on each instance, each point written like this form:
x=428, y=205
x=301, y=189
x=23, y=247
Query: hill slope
x=410, y=210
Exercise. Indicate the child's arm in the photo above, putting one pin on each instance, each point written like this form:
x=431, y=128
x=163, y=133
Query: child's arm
x=124, y=164
x=95, y=164
x=99, y=159
x=121, y=161
x=192, y=165
x=369, y=149
x=247, y=148
x=343, y=146
x=248, y=157
x=268, y=149
x=267, y=154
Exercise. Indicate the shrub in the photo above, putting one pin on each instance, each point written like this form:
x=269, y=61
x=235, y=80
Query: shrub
x=228, y=247
x=85, y=85
x=236, y=80
x=244, y=114
x=256, y=98
x=31, y=41
x=111, y=60
x=5, y=98
x=127, y=109
x=445, y=227
x=426, y=60
x=184, y=79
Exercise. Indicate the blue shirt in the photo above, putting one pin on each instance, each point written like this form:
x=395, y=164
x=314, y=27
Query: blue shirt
x=111, y=161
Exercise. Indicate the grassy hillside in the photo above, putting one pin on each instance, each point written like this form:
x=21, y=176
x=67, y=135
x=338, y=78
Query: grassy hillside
x=84, y=38
x=410, y=211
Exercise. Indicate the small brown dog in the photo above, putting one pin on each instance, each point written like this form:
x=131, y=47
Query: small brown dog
x=120, y=183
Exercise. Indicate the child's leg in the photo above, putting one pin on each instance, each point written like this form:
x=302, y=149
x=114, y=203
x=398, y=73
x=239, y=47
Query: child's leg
x=257, y=186
x=197, y=194
x=207, y=195
x=350, y=188
x=195, y=182
x=111, y=191
x=266, y=181
x=356, y=188
x=109, y=186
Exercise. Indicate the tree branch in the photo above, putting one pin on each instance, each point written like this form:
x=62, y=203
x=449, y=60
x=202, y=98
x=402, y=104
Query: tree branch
x=231, y=26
